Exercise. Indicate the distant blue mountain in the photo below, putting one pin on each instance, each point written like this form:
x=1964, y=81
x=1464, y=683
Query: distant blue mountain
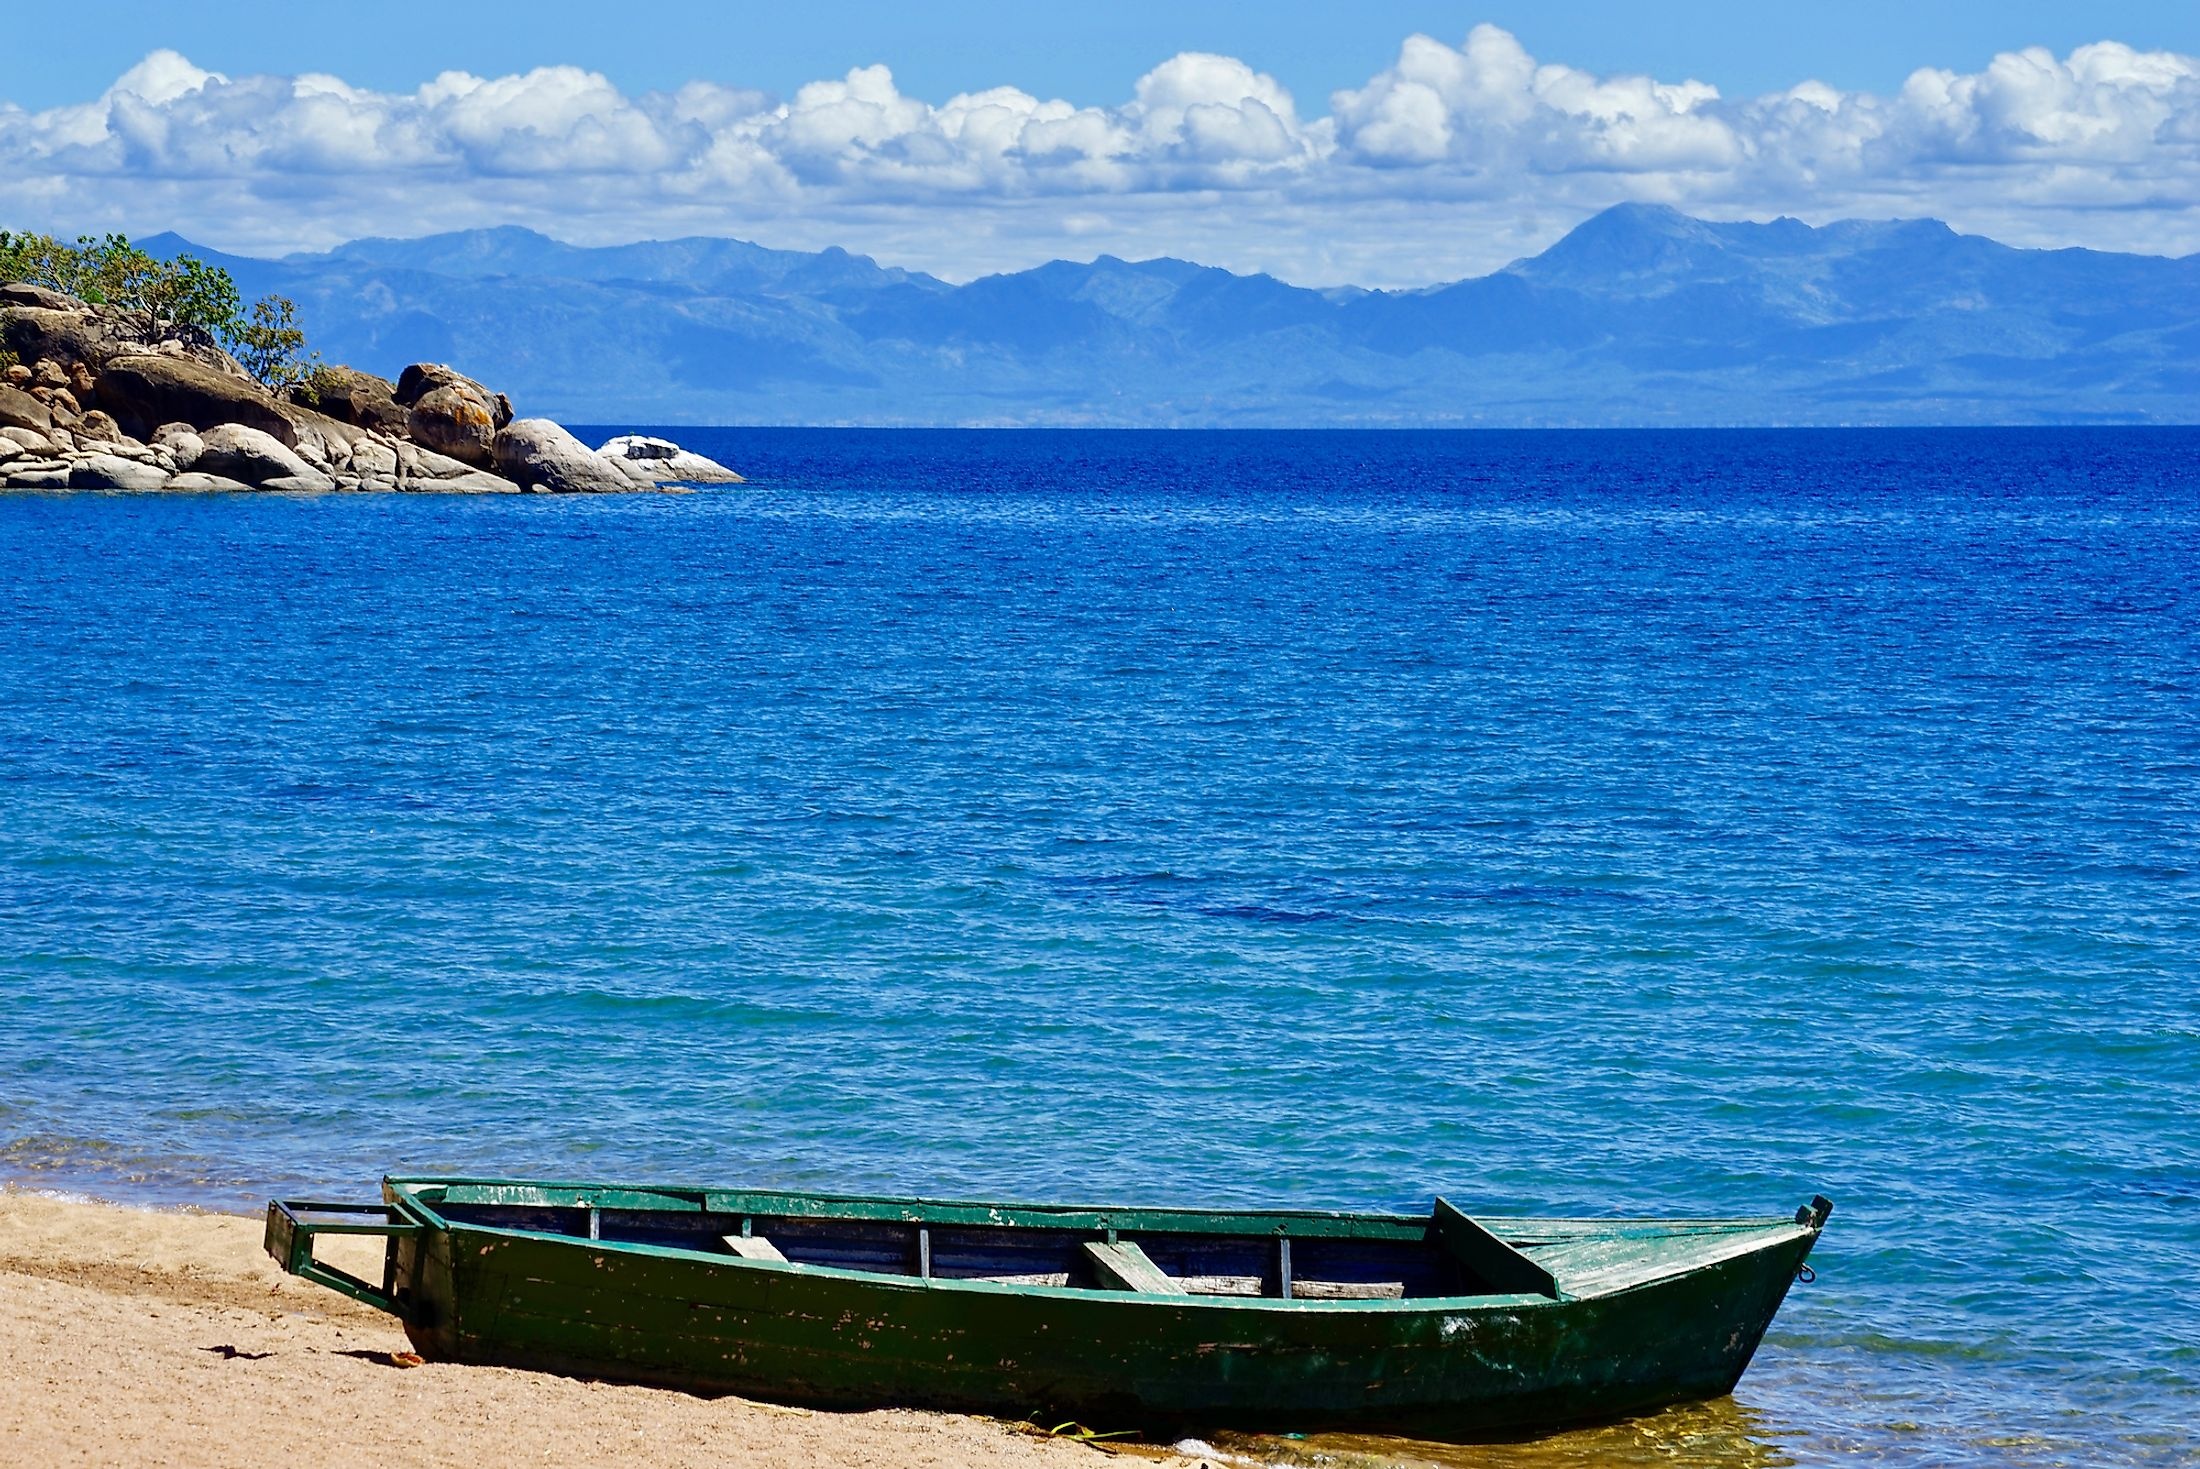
x=1642, y=315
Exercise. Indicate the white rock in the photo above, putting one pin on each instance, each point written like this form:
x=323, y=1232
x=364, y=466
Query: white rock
x=638, y=446
x=181, y=441
x=664, y=462
x=473, y=482
x=250, y=455
x=414, y=462
x=539, y=454
x=312, y=482
x=28, y=438
x=373, y=459
x=40, y=475
x=113, y=472
x=206, y=483
x=694, y=469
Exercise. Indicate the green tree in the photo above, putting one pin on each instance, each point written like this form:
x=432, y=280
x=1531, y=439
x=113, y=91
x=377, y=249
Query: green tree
x=158, y=294
x=40, y=259
x=193, y=293
x=111, y=271
x=270, y=345
x=119, y=274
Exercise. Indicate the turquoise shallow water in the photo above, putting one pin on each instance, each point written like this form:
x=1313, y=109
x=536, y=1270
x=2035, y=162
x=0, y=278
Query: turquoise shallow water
x=1566, y=822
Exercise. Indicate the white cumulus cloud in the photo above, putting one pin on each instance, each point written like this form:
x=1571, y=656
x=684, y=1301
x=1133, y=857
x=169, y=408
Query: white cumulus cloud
x=1489, y=106
x=1450, y=160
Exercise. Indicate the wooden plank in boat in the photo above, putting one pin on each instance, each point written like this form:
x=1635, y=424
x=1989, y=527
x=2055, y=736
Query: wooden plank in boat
x=1124, y=1266
x=1348, y=1290
x=1501, y=1267
x=754, y=1247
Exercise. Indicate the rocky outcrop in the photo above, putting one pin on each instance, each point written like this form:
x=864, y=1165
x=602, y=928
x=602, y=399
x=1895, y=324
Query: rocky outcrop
x=373, y=459
x=455, y=422
x=39, y=322
x=421, y=378
x=23, y=293
x=90, y=401
x=182, y=443
x=33, y=334
x=19, y=409
x=145, y=391
x=104, y=470
x=100, y=427
x=324, y=441
x=451, y=413
x=355, y=397
x=537, y=454
x=38, y=474
x=254, y=457
x=192, y=482
x=652, y=462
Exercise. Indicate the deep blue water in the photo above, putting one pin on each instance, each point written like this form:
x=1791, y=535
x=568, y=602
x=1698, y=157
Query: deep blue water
x=1565, y=822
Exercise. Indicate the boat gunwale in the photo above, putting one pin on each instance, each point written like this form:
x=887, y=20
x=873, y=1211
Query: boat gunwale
x=408, y=1183
x=400, y=1193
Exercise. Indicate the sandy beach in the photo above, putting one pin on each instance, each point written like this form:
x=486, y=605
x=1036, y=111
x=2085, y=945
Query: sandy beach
x=131, y=1336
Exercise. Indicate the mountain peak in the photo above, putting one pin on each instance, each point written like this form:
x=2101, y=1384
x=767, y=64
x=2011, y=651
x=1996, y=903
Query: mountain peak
x=167, y=245
x=1626, y=239
x=1637, y=215
x=502, y=241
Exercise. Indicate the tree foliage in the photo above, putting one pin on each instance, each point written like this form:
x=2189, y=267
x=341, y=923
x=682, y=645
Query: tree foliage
x=270, y=344
x=162, y=295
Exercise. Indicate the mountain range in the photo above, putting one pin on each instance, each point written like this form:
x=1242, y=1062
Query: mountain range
x=1640, y=316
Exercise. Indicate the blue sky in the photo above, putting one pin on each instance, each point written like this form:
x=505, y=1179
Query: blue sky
x=1384, y=142
x=1083, y=53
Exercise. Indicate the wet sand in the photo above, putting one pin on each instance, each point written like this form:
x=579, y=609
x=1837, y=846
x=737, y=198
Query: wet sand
x=138, y=1337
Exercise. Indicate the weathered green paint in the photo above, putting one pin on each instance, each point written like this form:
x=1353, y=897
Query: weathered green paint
x=1639, y=1314
x=289, y=1240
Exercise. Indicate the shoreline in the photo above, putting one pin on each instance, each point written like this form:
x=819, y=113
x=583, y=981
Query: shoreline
x=165, y=1336
x=162, y=1334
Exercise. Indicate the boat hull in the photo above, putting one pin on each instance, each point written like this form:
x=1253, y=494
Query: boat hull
x=1458, y=1369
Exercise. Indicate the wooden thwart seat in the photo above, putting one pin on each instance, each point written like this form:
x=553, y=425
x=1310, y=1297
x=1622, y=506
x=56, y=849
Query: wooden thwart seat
x=1124, y=1266
x=754, y=1247
x=1347, y=1290
x=1504, y=1269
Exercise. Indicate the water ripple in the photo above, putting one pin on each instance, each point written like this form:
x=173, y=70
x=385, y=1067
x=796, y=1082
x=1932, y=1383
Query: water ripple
x=1596, y=822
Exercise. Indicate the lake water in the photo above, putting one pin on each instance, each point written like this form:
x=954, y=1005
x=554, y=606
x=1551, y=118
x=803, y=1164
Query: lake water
x=1564, y=822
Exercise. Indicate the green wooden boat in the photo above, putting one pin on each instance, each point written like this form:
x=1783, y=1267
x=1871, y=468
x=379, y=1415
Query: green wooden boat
x=1155, y=1320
